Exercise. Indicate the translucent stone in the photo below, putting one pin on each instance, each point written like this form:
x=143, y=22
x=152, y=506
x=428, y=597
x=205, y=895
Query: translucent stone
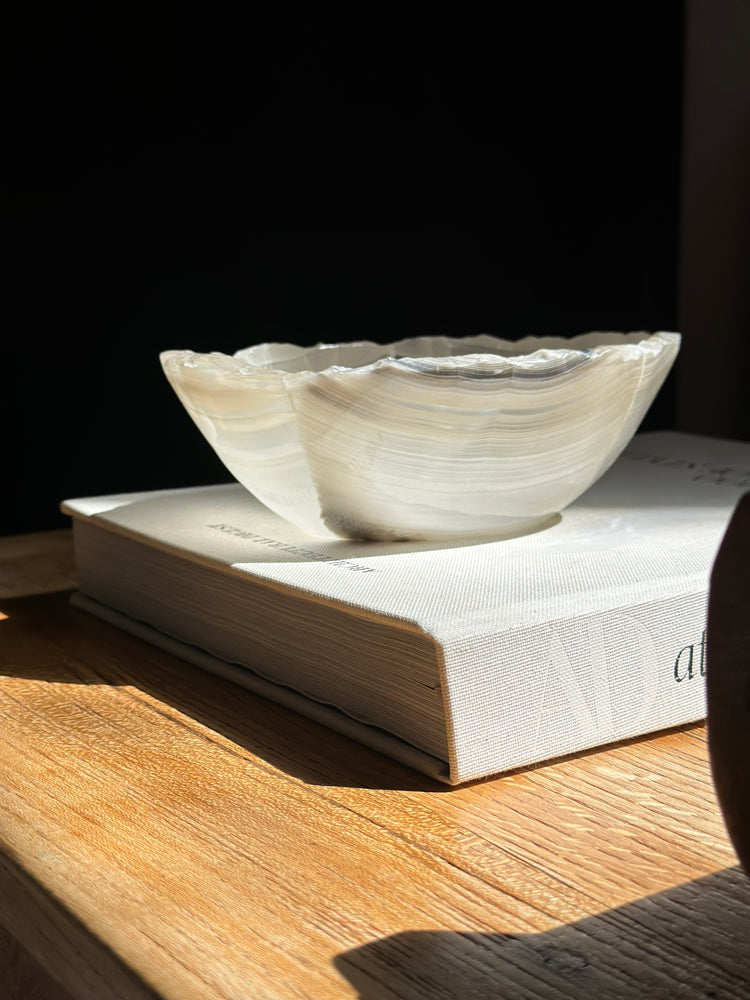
x=427, y=438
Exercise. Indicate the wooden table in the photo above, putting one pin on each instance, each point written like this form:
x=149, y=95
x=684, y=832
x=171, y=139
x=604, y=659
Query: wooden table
x=165, y=834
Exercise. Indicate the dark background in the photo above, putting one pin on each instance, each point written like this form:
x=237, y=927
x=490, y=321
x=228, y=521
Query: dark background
x=178, y=178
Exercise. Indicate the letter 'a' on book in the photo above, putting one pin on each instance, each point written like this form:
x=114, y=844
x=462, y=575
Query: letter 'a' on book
x=462, y=660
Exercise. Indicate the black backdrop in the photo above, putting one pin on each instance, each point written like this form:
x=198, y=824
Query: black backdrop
x=177, y=178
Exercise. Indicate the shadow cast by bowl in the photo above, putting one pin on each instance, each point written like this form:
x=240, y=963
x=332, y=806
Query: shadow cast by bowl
x=685, y=943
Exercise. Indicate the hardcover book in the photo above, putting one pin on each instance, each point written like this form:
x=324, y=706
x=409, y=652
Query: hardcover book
x=462, y=660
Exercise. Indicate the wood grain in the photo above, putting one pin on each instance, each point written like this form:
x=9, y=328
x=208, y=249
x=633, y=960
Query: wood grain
x=21, y=978
x=164, y=833
x=36, y=564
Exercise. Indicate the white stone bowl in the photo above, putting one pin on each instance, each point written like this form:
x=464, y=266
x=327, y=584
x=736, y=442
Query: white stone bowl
x=427, y=438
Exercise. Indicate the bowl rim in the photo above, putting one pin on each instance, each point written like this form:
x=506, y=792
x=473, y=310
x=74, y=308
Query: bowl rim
x=533, y=355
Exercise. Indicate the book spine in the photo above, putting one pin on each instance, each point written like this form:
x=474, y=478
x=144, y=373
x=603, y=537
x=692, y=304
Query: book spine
x=519, y=697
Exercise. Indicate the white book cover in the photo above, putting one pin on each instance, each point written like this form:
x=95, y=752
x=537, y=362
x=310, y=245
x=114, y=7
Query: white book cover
x=589, y=631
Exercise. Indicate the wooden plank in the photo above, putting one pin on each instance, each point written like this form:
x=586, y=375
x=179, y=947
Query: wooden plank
x=21, y=978
x=70, y=955
x=37, y=563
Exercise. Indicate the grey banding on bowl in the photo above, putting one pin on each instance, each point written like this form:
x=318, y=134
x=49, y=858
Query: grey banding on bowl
x=427, y=438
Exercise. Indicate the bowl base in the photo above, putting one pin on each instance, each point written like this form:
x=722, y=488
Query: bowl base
x=474, y=529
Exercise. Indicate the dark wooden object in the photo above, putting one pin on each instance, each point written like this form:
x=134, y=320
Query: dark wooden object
x=728, y=678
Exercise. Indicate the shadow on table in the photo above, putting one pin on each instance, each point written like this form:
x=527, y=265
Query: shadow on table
x=692, y=941
x=44, y=638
